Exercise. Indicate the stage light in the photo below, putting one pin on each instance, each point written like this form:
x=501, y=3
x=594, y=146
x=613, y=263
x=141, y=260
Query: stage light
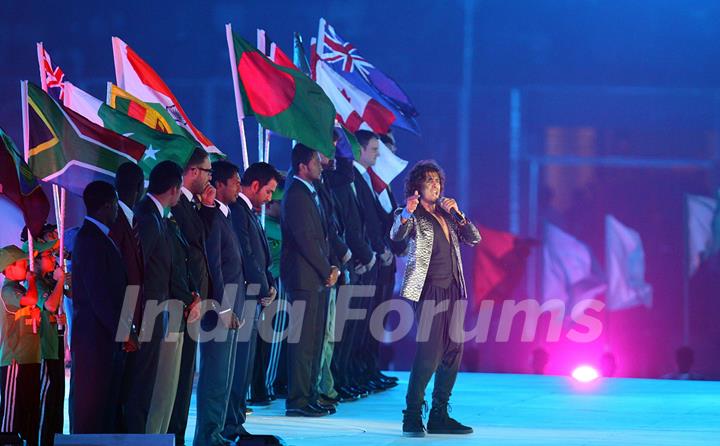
x=585, y=374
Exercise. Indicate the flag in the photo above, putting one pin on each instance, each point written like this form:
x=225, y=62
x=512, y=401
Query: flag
x=387, y=167
x=69, y=150
x=19, y=185
x=273, y=51
x=625, y=265
x=345, y=60
x=700, y=213
x=52, y=78
x=500, y=262
x=282, y=99
x=569, y=272
x=355, y=109
x=347, y=145
x=137, y=77
x=139, y=123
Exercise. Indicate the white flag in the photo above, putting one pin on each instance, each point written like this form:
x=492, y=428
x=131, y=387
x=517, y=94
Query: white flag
x=700, y=211
x=568, y=273
x=625, y=263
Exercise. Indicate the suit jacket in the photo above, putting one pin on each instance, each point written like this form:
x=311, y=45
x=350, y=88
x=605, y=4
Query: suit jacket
x=340, y=183
x=156, y=250
x=126, y=240
x=371, y=213
x=304, y=260
x=336, y=234
x=253, y=245
x=99, y=282
x=194, y=225
x=418, y=231
x=226, y=265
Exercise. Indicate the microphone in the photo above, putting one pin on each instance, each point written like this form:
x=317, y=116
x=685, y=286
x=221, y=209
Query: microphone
x=456, y=215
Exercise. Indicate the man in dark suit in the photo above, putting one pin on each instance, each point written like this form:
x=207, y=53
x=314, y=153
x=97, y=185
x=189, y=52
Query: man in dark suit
x=99, y=283
x=366, y=356
x=151, y=216
x=192, y=214
x=259, y=181
x=306, y=273
x=129, y=183
x=218, y=355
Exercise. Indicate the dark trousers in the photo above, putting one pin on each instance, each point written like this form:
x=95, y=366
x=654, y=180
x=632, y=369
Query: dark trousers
x=440, y=354
x=20, y=403
x=245, y=346
x=259, y=389
x=95, y=386
x=362, y=344
x=342, y=361
x=52, y=396
x=304, y=356
x=142, y=370
x=181, y=407
x=217, y=367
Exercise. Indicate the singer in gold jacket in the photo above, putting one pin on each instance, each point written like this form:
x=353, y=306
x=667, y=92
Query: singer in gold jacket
x=433, y=226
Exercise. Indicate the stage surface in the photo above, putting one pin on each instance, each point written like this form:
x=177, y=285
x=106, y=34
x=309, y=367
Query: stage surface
x=514, y=410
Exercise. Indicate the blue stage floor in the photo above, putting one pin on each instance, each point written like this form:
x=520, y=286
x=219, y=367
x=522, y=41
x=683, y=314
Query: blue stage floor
x=520, y=410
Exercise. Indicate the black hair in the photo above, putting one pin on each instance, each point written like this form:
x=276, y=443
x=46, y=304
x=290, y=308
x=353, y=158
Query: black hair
x=301, y=154
x=387, y=139
x=98, y=194
x=198, y=157
x=364, y=137
x=128, y=178
x=261, y=172
x=223, y=171
x=416, y=177
x=164, y=176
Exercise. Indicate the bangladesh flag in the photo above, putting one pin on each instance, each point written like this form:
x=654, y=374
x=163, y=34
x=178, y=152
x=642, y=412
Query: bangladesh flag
x=282, y=99
x=69, y=150
x=20, y=186
x=135, y=120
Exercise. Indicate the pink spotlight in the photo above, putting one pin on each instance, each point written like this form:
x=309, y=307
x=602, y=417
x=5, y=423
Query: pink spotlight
x=585, y=374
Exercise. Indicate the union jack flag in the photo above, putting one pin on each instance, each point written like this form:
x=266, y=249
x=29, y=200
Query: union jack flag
x=344, y=58
x=52, y=78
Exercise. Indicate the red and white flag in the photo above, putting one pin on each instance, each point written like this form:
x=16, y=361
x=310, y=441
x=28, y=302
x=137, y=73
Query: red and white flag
x=138, y=78
x=387, y=167
x=355, y=109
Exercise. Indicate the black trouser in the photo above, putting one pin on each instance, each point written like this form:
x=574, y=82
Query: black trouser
x=181, y=407
x=304, y=356
x=20, y=402
x=360, y=357
x=259, y=389
x=440, y=353
x=52, y=395
x=343, y=354
x=141, y=372
x=244, y=356
x=276, y=376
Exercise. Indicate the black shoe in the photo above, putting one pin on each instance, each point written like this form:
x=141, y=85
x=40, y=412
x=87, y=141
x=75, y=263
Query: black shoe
x=248, y=411
x=329, y=409
x=327, y=401
x=412, y=423
x=440, y=422
x=385, y=377
x=346, y=396
x=260, y=402
x=330, y=399
x=307, y=411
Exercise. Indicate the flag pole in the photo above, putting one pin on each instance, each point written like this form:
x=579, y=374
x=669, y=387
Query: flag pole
x=58, y=192
x=238, y=99
x=26, y=154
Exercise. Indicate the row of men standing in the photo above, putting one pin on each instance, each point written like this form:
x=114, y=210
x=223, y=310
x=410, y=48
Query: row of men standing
x=193, y=240
x=335, y=232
